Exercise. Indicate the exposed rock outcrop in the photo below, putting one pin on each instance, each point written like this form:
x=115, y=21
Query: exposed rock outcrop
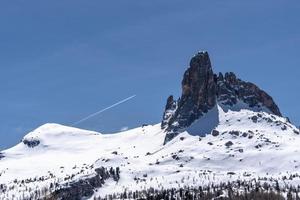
x=202, y=90
x=31, y=142
x=169, y=111
x=198, y=96
x=1, y=155
x=84, y=188
x=230, y=90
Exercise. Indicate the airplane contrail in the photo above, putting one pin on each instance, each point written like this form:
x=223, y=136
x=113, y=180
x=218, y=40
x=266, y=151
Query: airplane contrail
x=100, y=111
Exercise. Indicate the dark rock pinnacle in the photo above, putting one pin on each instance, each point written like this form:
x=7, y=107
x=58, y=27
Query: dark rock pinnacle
x=202, y=90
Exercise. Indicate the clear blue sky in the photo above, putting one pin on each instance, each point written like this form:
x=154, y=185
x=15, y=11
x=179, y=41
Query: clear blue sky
x=62, y=60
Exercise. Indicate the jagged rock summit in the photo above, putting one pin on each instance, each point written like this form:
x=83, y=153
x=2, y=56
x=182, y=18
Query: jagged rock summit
x=233, y=134
x=202, y=90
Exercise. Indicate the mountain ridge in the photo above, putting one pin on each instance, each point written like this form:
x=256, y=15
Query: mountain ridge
x=202, y=89
x=224, y=142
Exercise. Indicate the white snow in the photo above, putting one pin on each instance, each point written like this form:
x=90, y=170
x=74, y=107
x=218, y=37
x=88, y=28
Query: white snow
x=268, y=147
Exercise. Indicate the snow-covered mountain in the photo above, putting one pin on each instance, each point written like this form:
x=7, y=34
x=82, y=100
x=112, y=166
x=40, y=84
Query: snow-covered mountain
x=213, y=141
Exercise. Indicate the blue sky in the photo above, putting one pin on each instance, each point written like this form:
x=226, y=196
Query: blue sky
x=62, y=60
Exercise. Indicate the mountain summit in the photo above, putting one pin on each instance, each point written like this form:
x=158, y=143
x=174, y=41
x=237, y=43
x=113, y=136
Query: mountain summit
x=223, y=139
x=202, y=90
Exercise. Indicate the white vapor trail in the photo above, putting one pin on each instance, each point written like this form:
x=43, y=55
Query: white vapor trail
x=107, y=108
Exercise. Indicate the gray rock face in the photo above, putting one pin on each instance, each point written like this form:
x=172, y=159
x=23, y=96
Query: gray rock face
x=202, y=90
x=84, y=188
x=169, y=111
x=198, y=94
x=231, y=89
x=31, y=143
x=1, y=155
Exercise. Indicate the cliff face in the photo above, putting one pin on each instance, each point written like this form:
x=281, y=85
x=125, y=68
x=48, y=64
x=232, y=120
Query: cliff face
x=230, y=89
x=202, y=90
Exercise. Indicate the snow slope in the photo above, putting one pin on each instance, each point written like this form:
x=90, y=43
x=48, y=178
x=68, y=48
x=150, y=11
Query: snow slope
x=244, y=144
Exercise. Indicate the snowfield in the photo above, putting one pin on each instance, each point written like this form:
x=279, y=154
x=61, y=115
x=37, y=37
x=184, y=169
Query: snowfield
x=224, y=145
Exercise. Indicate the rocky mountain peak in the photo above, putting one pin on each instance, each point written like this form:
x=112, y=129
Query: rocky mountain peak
x=198, y=83
x=202, y=90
